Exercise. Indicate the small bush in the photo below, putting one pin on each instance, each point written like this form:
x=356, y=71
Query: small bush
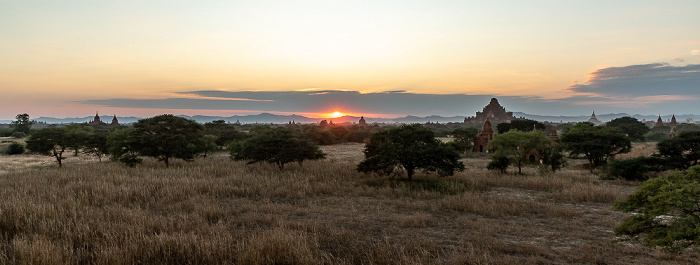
x=15, y=149
x=638, y=168
x=498, y=162
x=18, y=135
x=130, y=160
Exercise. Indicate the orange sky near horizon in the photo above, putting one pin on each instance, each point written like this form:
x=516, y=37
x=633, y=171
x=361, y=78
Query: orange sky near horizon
x=56, y=55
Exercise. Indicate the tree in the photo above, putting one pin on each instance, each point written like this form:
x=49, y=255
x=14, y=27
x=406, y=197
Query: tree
x=409, y=147
x=596, y=143
x=464, y=138
x=49, y=141
x=208, y=145
x=22, y=124
x=681, y=151
x=633, y=128
x=77, y=136
x=122, y=147
x=276, y=145
x=96, y=144
x=667, y=211
x=524, y=125
x=516, y=145
x=224, y=132
x=166, y=136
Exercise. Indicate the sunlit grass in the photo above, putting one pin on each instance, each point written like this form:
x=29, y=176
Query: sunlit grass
x=217, y=211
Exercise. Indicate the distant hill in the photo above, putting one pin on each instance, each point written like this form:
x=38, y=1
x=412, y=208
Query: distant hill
x=281, y=119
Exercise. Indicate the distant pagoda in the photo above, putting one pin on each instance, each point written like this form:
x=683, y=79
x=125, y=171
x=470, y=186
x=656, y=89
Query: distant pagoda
x=594, y=120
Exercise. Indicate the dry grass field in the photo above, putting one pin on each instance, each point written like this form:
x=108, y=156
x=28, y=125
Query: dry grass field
x=217, y=211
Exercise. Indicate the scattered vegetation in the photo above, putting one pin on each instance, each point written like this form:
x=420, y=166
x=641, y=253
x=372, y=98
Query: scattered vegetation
x=409, y=148
x=666, y=211
x=277, y=146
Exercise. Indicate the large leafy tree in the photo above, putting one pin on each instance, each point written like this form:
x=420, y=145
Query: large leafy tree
x=22, y=124
x=633, y=128
x=410, y=147
x=516, y=145
x=667, y=211
x=167, y=136
x=596, y=143
x=49, y=141
x=276, y=145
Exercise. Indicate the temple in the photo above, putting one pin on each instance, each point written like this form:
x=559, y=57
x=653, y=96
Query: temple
x=493, y=112
x=99, y=122
x=483, y=138
x=659, y=122
x=594, y=120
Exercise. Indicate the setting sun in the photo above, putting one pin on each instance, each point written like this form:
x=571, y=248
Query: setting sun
x=336, y=114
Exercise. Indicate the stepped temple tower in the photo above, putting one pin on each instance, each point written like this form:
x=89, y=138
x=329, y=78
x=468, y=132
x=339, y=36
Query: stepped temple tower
x=493, y=112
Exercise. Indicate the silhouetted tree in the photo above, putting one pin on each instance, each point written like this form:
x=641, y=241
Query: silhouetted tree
x=166, y=136
x=596, y=143
x=49, y=141
x=22, y=124
x=122, y=147
x=633, y=128
x=524, y=125
x=410, y=147
x=464, y=138
x=276, y=145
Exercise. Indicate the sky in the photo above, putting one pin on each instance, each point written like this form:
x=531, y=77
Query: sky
x=376, y=58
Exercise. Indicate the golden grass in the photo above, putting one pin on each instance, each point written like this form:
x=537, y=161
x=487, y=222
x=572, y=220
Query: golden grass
x=217, y=211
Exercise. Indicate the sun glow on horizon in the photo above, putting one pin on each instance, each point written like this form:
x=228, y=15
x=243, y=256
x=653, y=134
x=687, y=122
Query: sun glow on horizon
x=336, y=114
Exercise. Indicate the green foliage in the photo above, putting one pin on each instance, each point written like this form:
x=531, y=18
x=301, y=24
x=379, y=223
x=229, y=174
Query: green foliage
x=15, y=148
x=6, y=132
x=49, y=141
x=498, y=162
x=276, y=145
x=655, y=136
x=633, y=128
x=666, y=211
x=18, y=135
x=464, y=138
x=223, y=132
x=520, y=125
x=516, y=145
x=208, y=145
x=409, y=147
x=553, y=157
x=638, y=168
x=682, y=151
x=78, y=135
x=596, y=143
x=122, y=147
x=166, y=136
x=96, y=144
x=22, y=124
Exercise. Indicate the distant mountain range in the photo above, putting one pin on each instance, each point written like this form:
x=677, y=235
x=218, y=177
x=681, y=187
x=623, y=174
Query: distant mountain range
x=280, y=119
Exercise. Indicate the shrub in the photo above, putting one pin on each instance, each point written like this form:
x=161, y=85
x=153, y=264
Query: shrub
x=637, y=168
x=498, y=162
x=15, y=149
x=18, y=135
x=667, y=211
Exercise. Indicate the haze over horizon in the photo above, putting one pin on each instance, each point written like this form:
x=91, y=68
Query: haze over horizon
x=374, y=58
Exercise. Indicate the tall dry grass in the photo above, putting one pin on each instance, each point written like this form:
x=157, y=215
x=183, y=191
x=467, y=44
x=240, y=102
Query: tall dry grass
x=216, y=211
